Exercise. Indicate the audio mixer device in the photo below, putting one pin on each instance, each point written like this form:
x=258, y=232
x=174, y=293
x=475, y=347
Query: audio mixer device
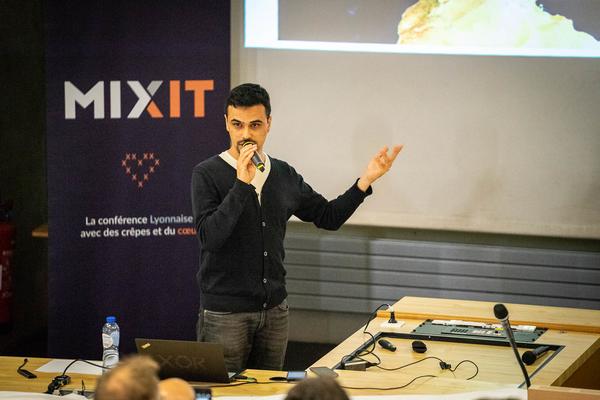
x=468, y=329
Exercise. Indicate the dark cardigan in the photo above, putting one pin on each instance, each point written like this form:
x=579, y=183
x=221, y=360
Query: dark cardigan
x=241, y=241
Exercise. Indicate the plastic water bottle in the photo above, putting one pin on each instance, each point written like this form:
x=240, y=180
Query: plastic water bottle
x=110, y=342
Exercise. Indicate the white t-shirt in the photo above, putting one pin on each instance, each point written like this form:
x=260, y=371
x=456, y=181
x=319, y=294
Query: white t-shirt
x=259, y=178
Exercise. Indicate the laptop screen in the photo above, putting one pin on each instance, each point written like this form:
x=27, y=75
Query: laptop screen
x=189, y=360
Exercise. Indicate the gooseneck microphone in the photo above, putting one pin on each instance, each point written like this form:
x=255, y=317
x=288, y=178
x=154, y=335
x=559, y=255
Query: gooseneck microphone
x=501, y=313
x=530, y=356
x=386, y=344
x=255, y=157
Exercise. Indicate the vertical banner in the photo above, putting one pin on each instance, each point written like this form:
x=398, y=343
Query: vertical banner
x=135, y=94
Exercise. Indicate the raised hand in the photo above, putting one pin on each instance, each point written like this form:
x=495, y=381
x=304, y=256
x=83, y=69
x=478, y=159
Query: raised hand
x=378, y=166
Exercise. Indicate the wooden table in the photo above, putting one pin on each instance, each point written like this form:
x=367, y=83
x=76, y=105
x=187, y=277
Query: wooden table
x=576, y=365
x=11, y=381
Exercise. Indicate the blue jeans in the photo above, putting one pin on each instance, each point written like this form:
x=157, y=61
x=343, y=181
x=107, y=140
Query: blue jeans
x=250, y=339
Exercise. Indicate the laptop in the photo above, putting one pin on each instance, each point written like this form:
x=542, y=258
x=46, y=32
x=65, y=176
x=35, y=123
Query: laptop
x=191, y=361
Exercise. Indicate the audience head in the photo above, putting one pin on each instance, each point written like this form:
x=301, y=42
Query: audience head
x=176, y=389
x=134, y=378
x=320, y=388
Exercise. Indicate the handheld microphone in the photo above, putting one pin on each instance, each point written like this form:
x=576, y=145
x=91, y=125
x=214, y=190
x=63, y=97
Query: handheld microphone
x=501, y=313
x=529, y=357
x=255, y=158
x=386, y=344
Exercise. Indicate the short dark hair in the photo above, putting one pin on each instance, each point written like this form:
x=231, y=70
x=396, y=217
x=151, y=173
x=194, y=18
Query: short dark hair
x=134, y=378
x=248, y=95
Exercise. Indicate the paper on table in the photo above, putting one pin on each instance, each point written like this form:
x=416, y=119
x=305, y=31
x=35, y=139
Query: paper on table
x=79, y=367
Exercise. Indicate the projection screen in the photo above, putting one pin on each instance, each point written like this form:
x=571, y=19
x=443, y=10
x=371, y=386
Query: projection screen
x=501, y=124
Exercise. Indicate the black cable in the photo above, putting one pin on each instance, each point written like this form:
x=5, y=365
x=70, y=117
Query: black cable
x=371, y=318
x=63, y=379
x=365, y=352
x=409, y=364
x=442, y=364
x=463, y=361
x=23, y=372
x=369, y=363
x=22, y=365
x=390, y=388
x=85, y=361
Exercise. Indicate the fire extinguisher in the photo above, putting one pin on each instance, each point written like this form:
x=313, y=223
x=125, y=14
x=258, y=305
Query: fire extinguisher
x=7, y=245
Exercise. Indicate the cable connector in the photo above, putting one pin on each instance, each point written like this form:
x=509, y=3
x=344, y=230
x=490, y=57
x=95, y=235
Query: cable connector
x=58, y=382
x=356, y=365
x=445, y=365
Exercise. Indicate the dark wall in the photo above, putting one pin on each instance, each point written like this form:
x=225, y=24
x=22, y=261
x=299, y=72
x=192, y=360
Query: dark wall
x=22, y=167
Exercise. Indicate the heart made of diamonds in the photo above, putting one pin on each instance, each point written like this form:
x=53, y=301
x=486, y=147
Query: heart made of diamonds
x=140, y=167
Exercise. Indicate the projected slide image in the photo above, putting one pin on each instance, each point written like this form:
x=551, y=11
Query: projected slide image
x=489, y=27
x=495, y=23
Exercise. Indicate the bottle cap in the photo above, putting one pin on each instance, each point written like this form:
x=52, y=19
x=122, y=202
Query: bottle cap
x=111, y=319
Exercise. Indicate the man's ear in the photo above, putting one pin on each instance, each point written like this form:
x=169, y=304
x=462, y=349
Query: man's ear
x=225, y=116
